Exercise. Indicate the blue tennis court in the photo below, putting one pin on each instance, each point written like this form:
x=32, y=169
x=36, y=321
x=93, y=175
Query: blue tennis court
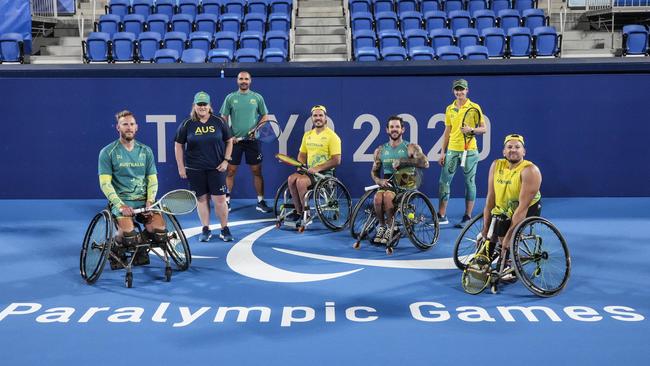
x=278, y=297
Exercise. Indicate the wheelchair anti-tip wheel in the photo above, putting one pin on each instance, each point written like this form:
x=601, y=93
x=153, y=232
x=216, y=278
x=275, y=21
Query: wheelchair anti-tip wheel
x=96, y=246
x=333, y=203
x=540, y=256
x=466, y=243
x=177, y=245
x=420, y=220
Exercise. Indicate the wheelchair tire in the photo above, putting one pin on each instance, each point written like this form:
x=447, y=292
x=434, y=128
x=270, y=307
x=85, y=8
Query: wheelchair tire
x=465, y=246
x=96, y=247
x=362, y=216
x=333, y=203
x=420, y=220
x=282, y=195
x=540, y=256
x=177, y=245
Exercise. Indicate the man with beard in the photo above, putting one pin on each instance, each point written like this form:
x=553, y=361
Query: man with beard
x=320, y=149
x=389, y=157
x=243, y=109
x=513, y=190
x=128, y=178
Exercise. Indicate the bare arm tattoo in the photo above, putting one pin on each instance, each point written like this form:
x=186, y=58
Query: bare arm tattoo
x=376, y=165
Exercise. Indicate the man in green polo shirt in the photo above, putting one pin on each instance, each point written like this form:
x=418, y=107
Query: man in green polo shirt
x=243, y=109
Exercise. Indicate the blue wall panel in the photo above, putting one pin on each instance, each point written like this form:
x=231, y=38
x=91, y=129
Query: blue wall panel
x=581, y=130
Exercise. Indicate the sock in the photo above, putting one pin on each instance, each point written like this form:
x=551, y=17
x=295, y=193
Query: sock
x=260, y=198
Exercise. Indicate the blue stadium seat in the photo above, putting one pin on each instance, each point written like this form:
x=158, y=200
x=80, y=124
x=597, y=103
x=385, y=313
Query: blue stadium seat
x=416, y=38
x=279, y=22
x=258, y=7
x=280, y=6
x=97, y=47
x=484, y=19
x=189, y=7
x=410, y=20
x=380, y=6
x=123, y=47
x=407, y=5
x=448, y=53
x=361, y=21
x=227, y=40
x=364, y=38
x=158, y=23
x=133, y=23
x=220, y=55
x=211, y=7
x=166, y=56
x=118, y=7
x=194, y=56
x=247, y=55
x=441, y=37
x=234, y=7
x=366, y=54
x=142, y=7
x=476, y=52
x=183, y=23
x=200, y=40
x=459, y=19
x=360, y=6
x=385, y=20
x=467, y=37
x=206, y=22
x=394, y=54
x=453, y=5
x=422, y=53
x=430, y=5
x=12, y=48
x=176, y=41
x=108, y=23
x=435, y=20
x=495, y=41
x=498, y=5
x=148, y=44
x=255, y=22
x=635, y=40
x=546, y=42
x=230, y=22
x=475, y=5
x=533, y=18
x=522, y=5
x=278, y=39
x=520, y=42
x=167, y=7
x=251, y=39
x=508, y=18
x=390, y=38
x=274, y=55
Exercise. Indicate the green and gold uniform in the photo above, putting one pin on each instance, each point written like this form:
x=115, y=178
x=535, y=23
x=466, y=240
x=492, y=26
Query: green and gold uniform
x=320, y=147
x=507, y=186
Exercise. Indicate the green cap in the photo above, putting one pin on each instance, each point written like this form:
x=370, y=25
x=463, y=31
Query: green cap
x=460, y=83
x=201, y=97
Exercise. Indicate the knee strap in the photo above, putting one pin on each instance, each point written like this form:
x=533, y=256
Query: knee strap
x=130, y=239
x=159, y=235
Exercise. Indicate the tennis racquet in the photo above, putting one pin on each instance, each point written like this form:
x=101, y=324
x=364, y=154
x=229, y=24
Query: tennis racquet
x=471, y=119
x=293, y=162
x=176, y=202
x=267, y=131
x=408, y=179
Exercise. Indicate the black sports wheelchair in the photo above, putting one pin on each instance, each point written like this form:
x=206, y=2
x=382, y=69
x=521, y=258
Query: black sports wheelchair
x=101, y=244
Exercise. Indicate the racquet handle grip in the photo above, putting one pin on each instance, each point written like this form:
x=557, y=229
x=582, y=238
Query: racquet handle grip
x=463, y=158
x=370, y=188
x=140, y=210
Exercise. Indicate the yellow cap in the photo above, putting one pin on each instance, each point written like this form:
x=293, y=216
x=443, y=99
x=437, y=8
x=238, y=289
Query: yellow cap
x=514, y=136
x=316, y=107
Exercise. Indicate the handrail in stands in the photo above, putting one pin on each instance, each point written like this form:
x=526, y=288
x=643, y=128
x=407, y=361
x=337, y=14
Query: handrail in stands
x=292, y=30
x=348, y=32
x=563, y=11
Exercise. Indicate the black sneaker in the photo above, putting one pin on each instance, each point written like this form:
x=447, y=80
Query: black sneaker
x=225, y=234
x=461, y=224
x=141, y=258
x=442, y=220
x=262, y=207
x=293, y=216
x=206, y=234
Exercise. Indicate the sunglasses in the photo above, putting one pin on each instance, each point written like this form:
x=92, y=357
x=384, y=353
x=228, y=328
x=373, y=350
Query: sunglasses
x=201, y=104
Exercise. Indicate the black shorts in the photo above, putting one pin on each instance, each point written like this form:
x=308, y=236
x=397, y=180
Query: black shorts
x=503, y=223
x=252, y=149
x=207, y=181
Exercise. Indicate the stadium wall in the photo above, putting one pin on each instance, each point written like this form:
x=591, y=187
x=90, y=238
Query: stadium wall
x=585, y=121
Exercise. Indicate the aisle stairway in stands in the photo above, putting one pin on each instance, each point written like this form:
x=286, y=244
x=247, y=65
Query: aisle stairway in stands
x=320, y=31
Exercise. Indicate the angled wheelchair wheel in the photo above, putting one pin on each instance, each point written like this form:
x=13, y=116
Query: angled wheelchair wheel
x=363, y=214
x=420, y=220
x=96, y=246
x=541, y=256
x=282, y=197
x=177, y=245
x=466, y=246
x=333, y=203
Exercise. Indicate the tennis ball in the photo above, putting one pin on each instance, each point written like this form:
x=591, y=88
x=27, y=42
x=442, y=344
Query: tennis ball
x=410, y=216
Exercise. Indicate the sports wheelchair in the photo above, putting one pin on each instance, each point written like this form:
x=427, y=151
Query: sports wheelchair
x=538, y=255
x=328, y=197
x=100, y=244
x=414, y=217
